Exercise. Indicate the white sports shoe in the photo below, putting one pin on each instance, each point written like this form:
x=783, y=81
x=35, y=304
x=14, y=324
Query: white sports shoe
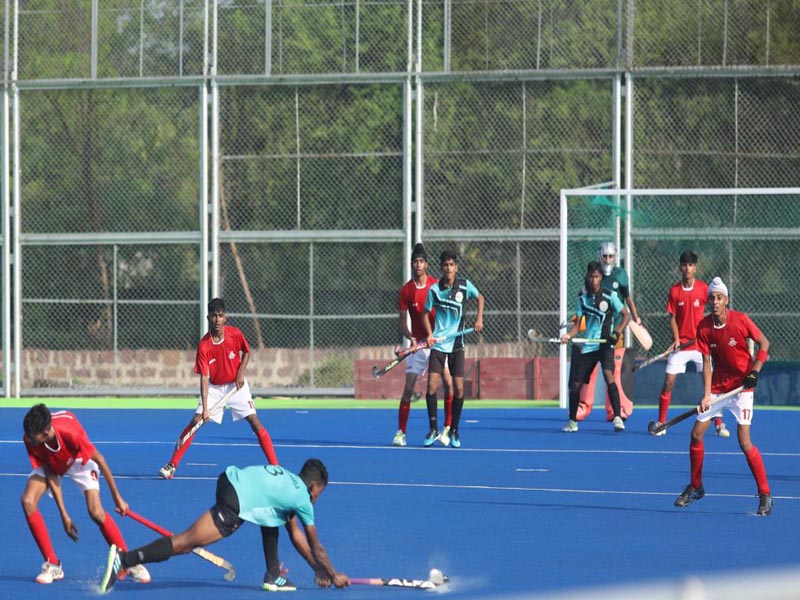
x=399, y=438
x=570, y=427
x=722, y=431
x=444, y=439
x=139, y=574
x=167, y=471
x=618, y=424
x=50, y=573
x=660, y=433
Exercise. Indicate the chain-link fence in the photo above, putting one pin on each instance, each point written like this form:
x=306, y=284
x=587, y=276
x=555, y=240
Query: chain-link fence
x=285, y=154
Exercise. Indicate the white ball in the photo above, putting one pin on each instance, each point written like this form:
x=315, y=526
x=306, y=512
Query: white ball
x=436, y=577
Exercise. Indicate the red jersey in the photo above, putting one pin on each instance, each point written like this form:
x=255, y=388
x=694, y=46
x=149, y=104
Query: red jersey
x=71, y=444
x=220, y=361
x=688, y=307
x=727, y=346
x=412, y=299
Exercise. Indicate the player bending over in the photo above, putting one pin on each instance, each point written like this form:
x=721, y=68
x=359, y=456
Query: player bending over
x=57, y=445
x=265, y=495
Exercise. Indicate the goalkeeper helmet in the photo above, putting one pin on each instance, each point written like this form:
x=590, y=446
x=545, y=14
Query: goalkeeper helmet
x=607, y=256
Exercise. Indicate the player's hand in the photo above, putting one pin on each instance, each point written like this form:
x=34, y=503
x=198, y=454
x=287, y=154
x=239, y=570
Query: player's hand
x=751, y=380
x=478, y=326
x=121, y=506
x=565, y=339
x=704, y=405
x=71, y=529
x=341, y=580
x=613, y=337
x=322, y=579
x=431, y=341
x=675, y=345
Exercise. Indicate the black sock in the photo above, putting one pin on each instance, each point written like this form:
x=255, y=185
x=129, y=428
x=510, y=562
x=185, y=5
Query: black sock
x=458, y=406
x=269, y=542
x=613, y=397
x=157, y=551
x=430, y=401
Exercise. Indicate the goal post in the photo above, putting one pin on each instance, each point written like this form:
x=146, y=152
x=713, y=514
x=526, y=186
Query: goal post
x=748, y=236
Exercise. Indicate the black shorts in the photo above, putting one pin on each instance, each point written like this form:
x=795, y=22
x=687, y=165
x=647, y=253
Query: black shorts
x=454, y=360
x=225, y=513
x=582, y=365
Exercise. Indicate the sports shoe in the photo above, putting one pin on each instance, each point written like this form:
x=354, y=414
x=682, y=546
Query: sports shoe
x=455, y=439
x=764, y=505
x=113, y=567
x=722, y=431
x=432, y=436
x=659, y=433
x=618, y=424
x=167, y=471
x=444, y=439
x=278, y=583
x=399, y=438
x=570, y=427
x=689, y=495
x=50, y=573
x=139, y=574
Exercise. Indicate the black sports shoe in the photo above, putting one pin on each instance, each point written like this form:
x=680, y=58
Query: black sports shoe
x=278, y=583
x=764, y=505
x=113, y=567
x=689, y=495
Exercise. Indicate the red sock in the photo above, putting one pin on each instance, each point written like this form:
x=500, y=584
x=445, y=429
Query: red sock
x=179, y=452
x=448, y=410
x=696, y=454
x=41, y=536
x=266, y=446
x=402, y=416
x=663, y=406
x=717, y=421
x=111, y=532
x=757, y=468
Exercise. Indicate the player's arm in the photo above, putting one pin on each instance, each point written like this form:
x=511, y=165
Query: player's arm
x=242, y=367
x=676, y=334
x=204, y=379
x=121, y=505
x=761, y=357
x=620, y=328
x=54, y=483
x=576, y=324
x=706, y=400
x=321, y=560
x=300, y=543
x=404, y=321
x=479, y=317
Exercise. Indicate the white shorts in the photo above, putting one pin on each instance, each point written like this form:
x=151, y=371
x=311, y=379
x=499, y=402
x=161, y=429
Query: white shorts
x=740, y=406
x=86, y=477
x=677, y=361
x=417, y=363
x=240, y=403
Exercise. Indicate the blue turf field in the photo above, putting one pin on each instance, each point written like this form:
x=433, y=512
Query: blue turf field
x=521, y=507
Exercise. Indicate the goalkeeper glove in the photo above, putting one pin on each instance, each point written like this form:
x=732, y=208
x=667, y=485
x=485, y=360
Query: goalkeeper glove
x=613, y=338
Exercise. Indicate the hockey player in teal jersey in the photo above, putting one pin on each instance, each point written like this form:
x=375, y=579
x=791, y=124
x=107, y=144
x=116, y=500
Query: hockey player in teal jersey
x=266, y=495
x=447, y=298
x=606, y=318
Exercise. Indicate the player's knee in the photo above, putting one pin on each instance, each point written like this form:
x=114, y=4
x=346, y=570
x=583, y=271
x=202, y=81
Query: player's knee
x=29, y=503
x=97, y=514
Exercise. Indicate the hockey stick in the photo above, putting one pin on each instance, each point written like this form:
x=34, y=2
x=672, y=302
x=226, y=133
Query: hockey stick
x=376, y=372
x=201, y=422
x=654, y=427
x=576, y=340
x=422, y=584
x=230, y=574
x=665, y=354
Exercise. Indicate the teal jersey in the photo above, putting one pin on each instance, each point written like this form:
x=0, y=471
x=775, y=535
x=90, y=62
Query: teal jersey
x=618, y=282
x=270, y=495
x=449, y=306
x=600, y=310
